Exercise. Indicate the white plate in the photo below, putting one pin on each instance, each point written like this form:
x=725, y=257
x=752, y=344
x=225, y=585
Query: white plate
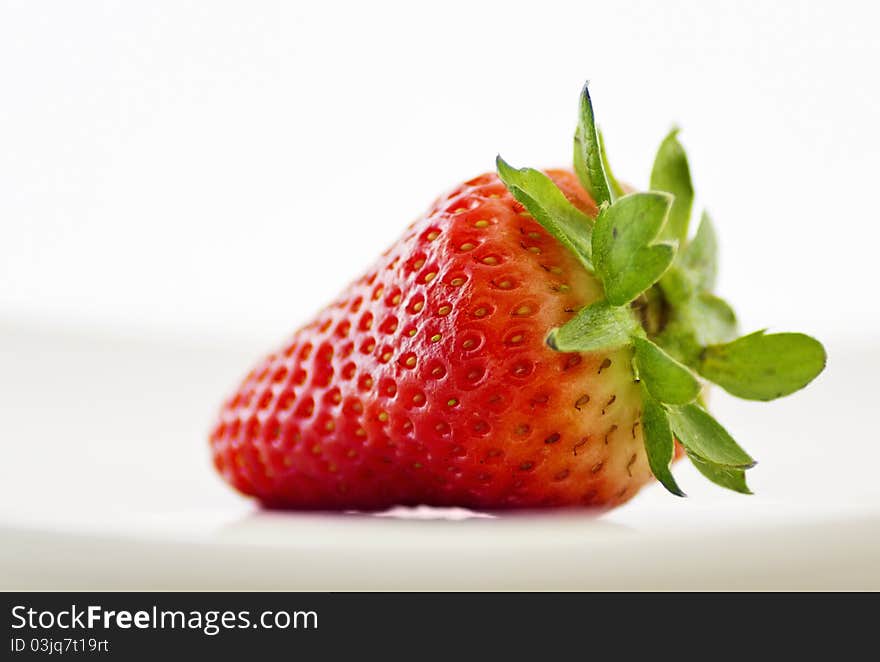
x=105, y=483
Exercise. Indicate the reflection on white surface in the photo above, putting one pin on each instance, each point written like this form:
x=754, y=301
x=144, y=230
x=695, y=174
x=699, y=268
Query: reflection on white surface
x=105, y=477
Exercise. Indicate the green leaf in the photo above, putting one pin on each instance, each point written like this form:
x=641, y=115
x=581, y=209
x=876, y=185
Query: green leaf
x=672, y=175
x=701, y=320
x=659, y=443
x=712, y=319
x=678, y=285
x=702, y=435
x=588, y=162
x=616, y=188
x=625, y=259
x=700, y=256
x=694, y=269
x=596, y=327
x=665, y=378
x=763, y=367
x=679, y=340
x=549, y=206
x=732, y=478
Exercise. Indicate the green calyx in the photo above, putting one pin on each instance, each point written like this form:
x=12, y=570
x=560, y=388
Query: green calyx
x=659, y=302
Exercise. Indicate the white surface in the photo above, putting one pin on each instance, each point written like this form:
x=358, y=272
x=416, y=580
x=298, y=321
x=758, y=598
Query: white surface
x=199, y=151
x=106, y=483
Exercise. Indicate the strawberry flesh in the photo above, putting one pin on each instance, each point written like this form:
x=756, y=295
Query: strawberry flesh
x=429, y=381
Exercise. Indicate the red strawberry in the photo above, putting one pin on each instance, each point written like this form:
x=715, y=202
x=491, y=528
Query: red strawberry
x=431, y=380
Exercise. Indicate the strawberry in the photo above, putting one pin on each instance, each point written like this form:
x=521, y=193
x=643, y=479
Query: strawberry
x=534, y=340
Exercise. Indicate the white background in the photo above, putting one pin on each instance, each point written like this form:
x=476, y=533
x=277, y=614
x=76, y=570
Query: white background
x=217, y=170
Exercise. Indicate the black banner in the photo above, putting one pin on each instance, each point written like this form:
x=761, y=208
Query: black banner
x=135, y=626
